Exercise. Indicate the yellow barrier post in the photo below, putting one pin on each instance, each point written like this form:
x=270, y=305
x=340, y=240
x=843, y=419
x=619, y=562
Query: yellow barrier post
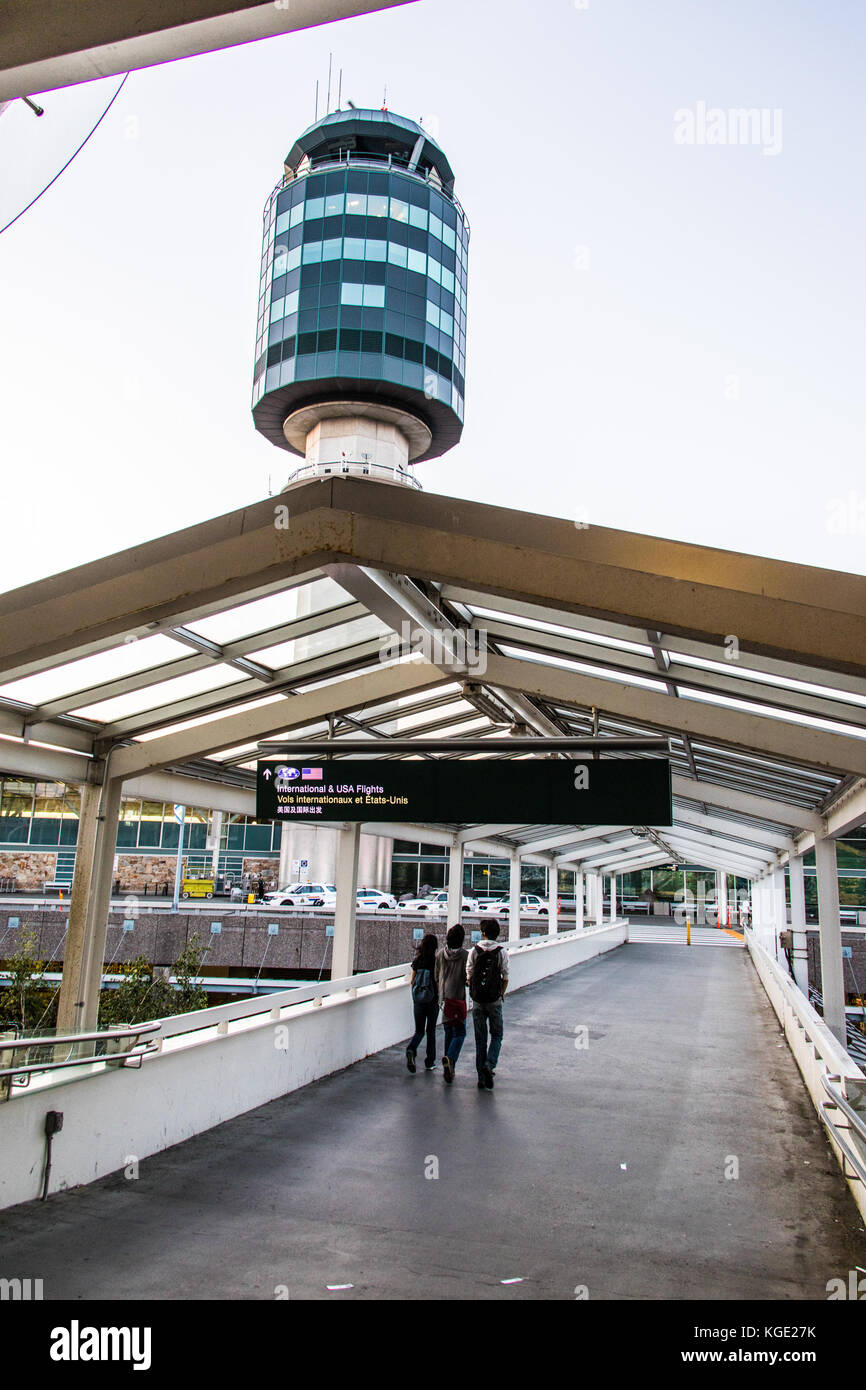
x=688, y=931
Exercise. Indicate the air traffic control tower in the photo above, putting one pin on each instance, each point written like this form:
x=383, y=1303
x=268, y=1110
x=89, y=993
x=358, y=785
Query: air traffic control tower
x=361, y=343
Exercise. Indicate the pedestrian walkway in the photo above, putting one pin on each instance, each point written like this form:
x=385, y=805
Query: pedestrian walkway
x=649, y=1137
x=667, y=932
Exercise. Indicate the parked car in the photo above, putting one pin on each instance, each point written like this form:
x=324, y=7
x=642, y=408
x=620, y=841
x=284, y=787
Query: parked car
x=319, y=895
x=529, y=903
x=437, y=903
x=467, y=904
x=303, y=895
x=289, y=896
x=375, y=899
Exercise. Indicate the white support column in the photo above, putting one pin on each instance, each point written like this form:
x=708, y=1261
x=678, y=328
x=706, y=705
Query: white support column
x=213, y=840
x=721, y=898
x=763, y=914
x=455, y=885
x=613, y=897
x=780, y=909
x=343, y=958
x=800, y=951
x=552, y=900
x=579, y=900
x=594, y=897
x=99, y=905
x=514, y=897
x=91, y=831
x=832, y=979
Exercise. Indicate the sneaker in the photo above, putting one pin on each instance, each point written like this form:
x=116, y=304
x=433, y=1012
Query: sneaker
x=410, y=1059
x=487, y=1076
x=428, y=1066
x=481, y=1085
x=448, y=1069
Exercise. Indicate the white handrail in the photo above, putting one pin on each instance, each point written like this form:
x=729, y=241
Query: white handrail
x=270, y=1005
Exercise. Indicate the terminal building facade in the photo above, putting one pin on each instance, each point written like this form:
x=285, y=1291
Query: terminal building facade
x=39, y=829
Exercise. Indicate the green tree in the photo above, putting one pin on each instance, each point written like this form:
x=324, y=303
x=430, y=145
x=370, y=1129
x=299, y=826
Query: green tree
x=190, y=994
x=27, y=1002
x=144, y=995
x=141, y=996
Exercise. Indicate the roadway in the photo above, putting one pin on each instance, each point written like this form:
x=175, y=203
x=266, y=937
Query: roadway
x=600, y=1167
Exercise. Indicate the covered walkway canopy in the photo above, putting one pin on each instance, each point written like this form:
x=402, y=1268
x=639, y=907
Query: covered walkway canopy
x=350, y=608
x=77, y=43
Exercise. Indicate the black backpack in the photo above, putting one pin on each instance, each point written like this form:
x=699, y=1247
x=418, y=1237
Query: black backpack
x=423, y=989
x=486, y=983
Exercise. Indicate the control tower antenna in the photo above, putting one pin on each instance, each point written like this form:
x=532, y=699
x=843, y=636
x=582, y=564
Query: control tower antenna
x=361, y=346
x=330, y=64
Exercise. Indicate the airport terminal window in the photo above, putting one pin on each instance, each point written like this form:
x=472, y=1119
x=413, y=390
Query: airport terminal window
x=127, y=825
x=150, y=825
x=15, y=811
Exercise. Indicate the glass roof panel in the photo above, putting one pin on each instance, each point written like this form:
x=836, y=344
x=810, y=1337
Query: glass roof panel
x=559, y=630
x=130, y=657
x=301, y=598
x=334, y=639
x=566, y=664
x=748, y=673
x=200, y=720
x=164, y=693
x=767, y=711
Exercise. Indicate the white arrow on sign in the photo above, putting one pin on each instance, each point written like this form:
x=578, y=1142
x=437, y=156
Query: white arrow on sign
x=266, y=775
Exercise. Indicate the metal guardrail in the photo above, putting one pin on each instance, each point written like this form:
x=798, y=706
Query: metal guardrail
x=218, y=1019
x=354, y=469
x=113, y=1054
x=856, y=1122
x=221, y=1016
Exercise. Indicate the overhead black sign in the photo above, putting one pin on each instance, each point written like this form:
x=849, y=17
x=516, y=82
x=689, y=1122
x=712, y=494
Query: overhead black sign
x=467, y=791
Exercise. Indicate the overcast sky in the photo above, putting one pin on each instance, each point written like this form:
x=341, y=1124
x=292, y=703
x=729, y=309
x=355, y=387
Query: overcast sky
x=663, y=337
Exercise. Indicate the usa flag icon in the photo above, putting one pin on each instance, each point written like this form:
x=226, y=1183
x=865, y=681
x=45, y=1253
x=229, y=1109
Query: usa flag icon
x=311, y=774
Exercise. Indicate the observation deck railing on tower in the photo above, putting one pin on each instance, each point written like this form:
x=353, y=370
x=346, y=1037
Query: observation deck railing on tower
x=379, y=472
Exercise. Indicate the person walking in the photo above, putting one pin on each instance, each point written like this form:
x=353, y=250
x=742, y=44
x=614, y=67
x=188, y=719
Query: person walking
x=487, y=976
x=425, y=1001
x=451, y=988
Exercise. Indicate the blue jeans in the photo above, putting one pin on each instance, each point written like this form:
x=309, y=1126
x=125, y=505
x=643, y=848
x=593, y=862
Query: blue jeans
x=455, y=1036
x=481, y=1014
x=425, y=1021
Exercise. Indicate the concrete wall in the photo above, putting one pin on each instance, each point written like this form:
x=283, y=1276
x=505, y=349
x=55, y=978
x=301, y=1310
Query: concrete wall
x=202, y=1078
x=853, y=970
x=302, y=943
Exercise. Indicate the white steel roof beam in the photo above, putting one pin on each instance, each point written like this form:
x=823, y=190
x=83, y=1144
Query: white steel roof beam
x=741, y=829
x=744, y=730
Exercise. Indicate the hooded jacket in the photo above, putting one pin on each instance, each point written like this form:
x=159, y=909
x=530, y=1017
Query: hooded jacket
x=451, y=972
